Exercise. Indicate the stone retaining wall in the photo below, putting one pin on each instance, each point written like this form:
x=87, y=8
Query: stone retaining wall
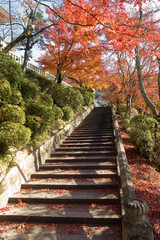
x=28, y=164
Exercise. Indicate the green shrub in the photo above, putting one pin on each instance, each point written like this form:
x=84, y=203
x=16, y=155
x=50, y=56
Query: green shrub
x=46, y=114
x=59, y=124
x=134, y=112
x=143, y=133
x=5, y=89
x=45, y=99
x=34, y=123
x=31, y=74
x=29, y=89
x=88, y=97
x=44, y=82
x=144, y=123
x=125, y=123
x=121, y=108
x=6, y=161
x=68, y=113
x=10, y=69
x=58, y=113
x=155, y=155
x=67, y=97
x=16, y=97
x=13, y=135
x=12, y=113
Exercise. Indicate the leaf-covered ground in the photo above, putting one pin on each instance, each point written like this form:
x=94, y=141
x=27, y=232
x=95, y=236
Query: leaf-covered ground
x=146, y=181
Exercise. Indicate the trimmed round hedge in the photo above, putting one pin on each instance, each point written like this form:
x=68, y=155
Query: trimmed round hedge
x=67, y=97
x=29, y=89
x=34, y=123
x=68, y=113
x=16, y=97
x=10, y=69
x=58, y=113
x=12, y=113
x=88, y=97
x=5, y=89
x=13, y=135
x=46, y=113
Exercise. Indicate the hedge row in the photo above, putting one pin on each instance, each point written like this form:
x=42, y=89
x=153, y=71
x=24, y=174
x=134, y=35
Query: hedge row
x=27, y=110
x=144, y=132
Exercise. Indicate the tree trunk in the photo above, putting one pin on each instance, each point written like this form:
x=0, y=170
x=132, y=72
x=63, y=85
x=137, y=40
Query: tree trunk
x=141, y=84
x=59, y=76
x=10, y=19
x=26, y=56
x=129, y=106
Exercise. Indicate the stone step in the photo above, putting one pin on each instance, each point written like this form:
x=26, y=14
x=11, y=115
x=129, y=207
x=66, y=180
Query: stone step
x=49, y=196
x=83, y=159
x=83, y=153
x=98, y=138
x=74, y=174
x=91, y=144
x=66, y=213
x=88, y=148
x=64, y=166
x=70, y=183
x=16, y=231
x=92, y=132
x=98, y=135
x=88, y=142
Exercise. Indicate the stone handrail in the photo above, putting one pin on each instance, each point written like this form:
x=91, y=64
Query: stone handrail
x=135, y=223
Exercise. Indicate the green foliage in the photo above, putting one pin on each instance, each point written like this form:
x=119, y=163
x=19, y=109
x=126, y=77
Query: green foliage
x=12, y=113
x=5, y=89
x=10, y=69
x=44, y=82
x=31, y=74
x=125, y=123
x=13, y=135
x=144, y=123
x=88, y=97
x=59, y=123
x=121, y=108
x=34, y=123
x=16, y=97
x=67, y=97
x=58, y=113
x=46, y=114
x=143, y=133
x=29, y=89
x=45, y=99
x=155, y=155
x=6, y=161
x=68, y=113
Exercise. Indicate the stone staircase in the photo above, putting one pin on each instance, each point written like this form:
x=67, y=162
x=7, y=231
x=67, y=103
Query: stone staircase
x=77, y=188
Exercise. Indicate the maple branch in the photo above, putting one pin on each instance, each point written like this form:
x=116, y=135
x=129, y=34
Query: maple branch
x=150, y=12
x=74, y=79
x=58, y=15
x=92, y=15
x=23, y=36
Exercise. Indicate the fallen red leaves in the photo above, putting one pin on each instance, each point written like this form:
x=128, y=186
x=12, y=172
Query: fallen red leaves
x=146, y=181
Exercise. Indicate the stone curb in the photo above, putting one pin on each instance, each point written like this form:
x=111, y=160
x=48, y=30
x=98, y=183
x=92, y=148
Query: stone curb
x=28, y=164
